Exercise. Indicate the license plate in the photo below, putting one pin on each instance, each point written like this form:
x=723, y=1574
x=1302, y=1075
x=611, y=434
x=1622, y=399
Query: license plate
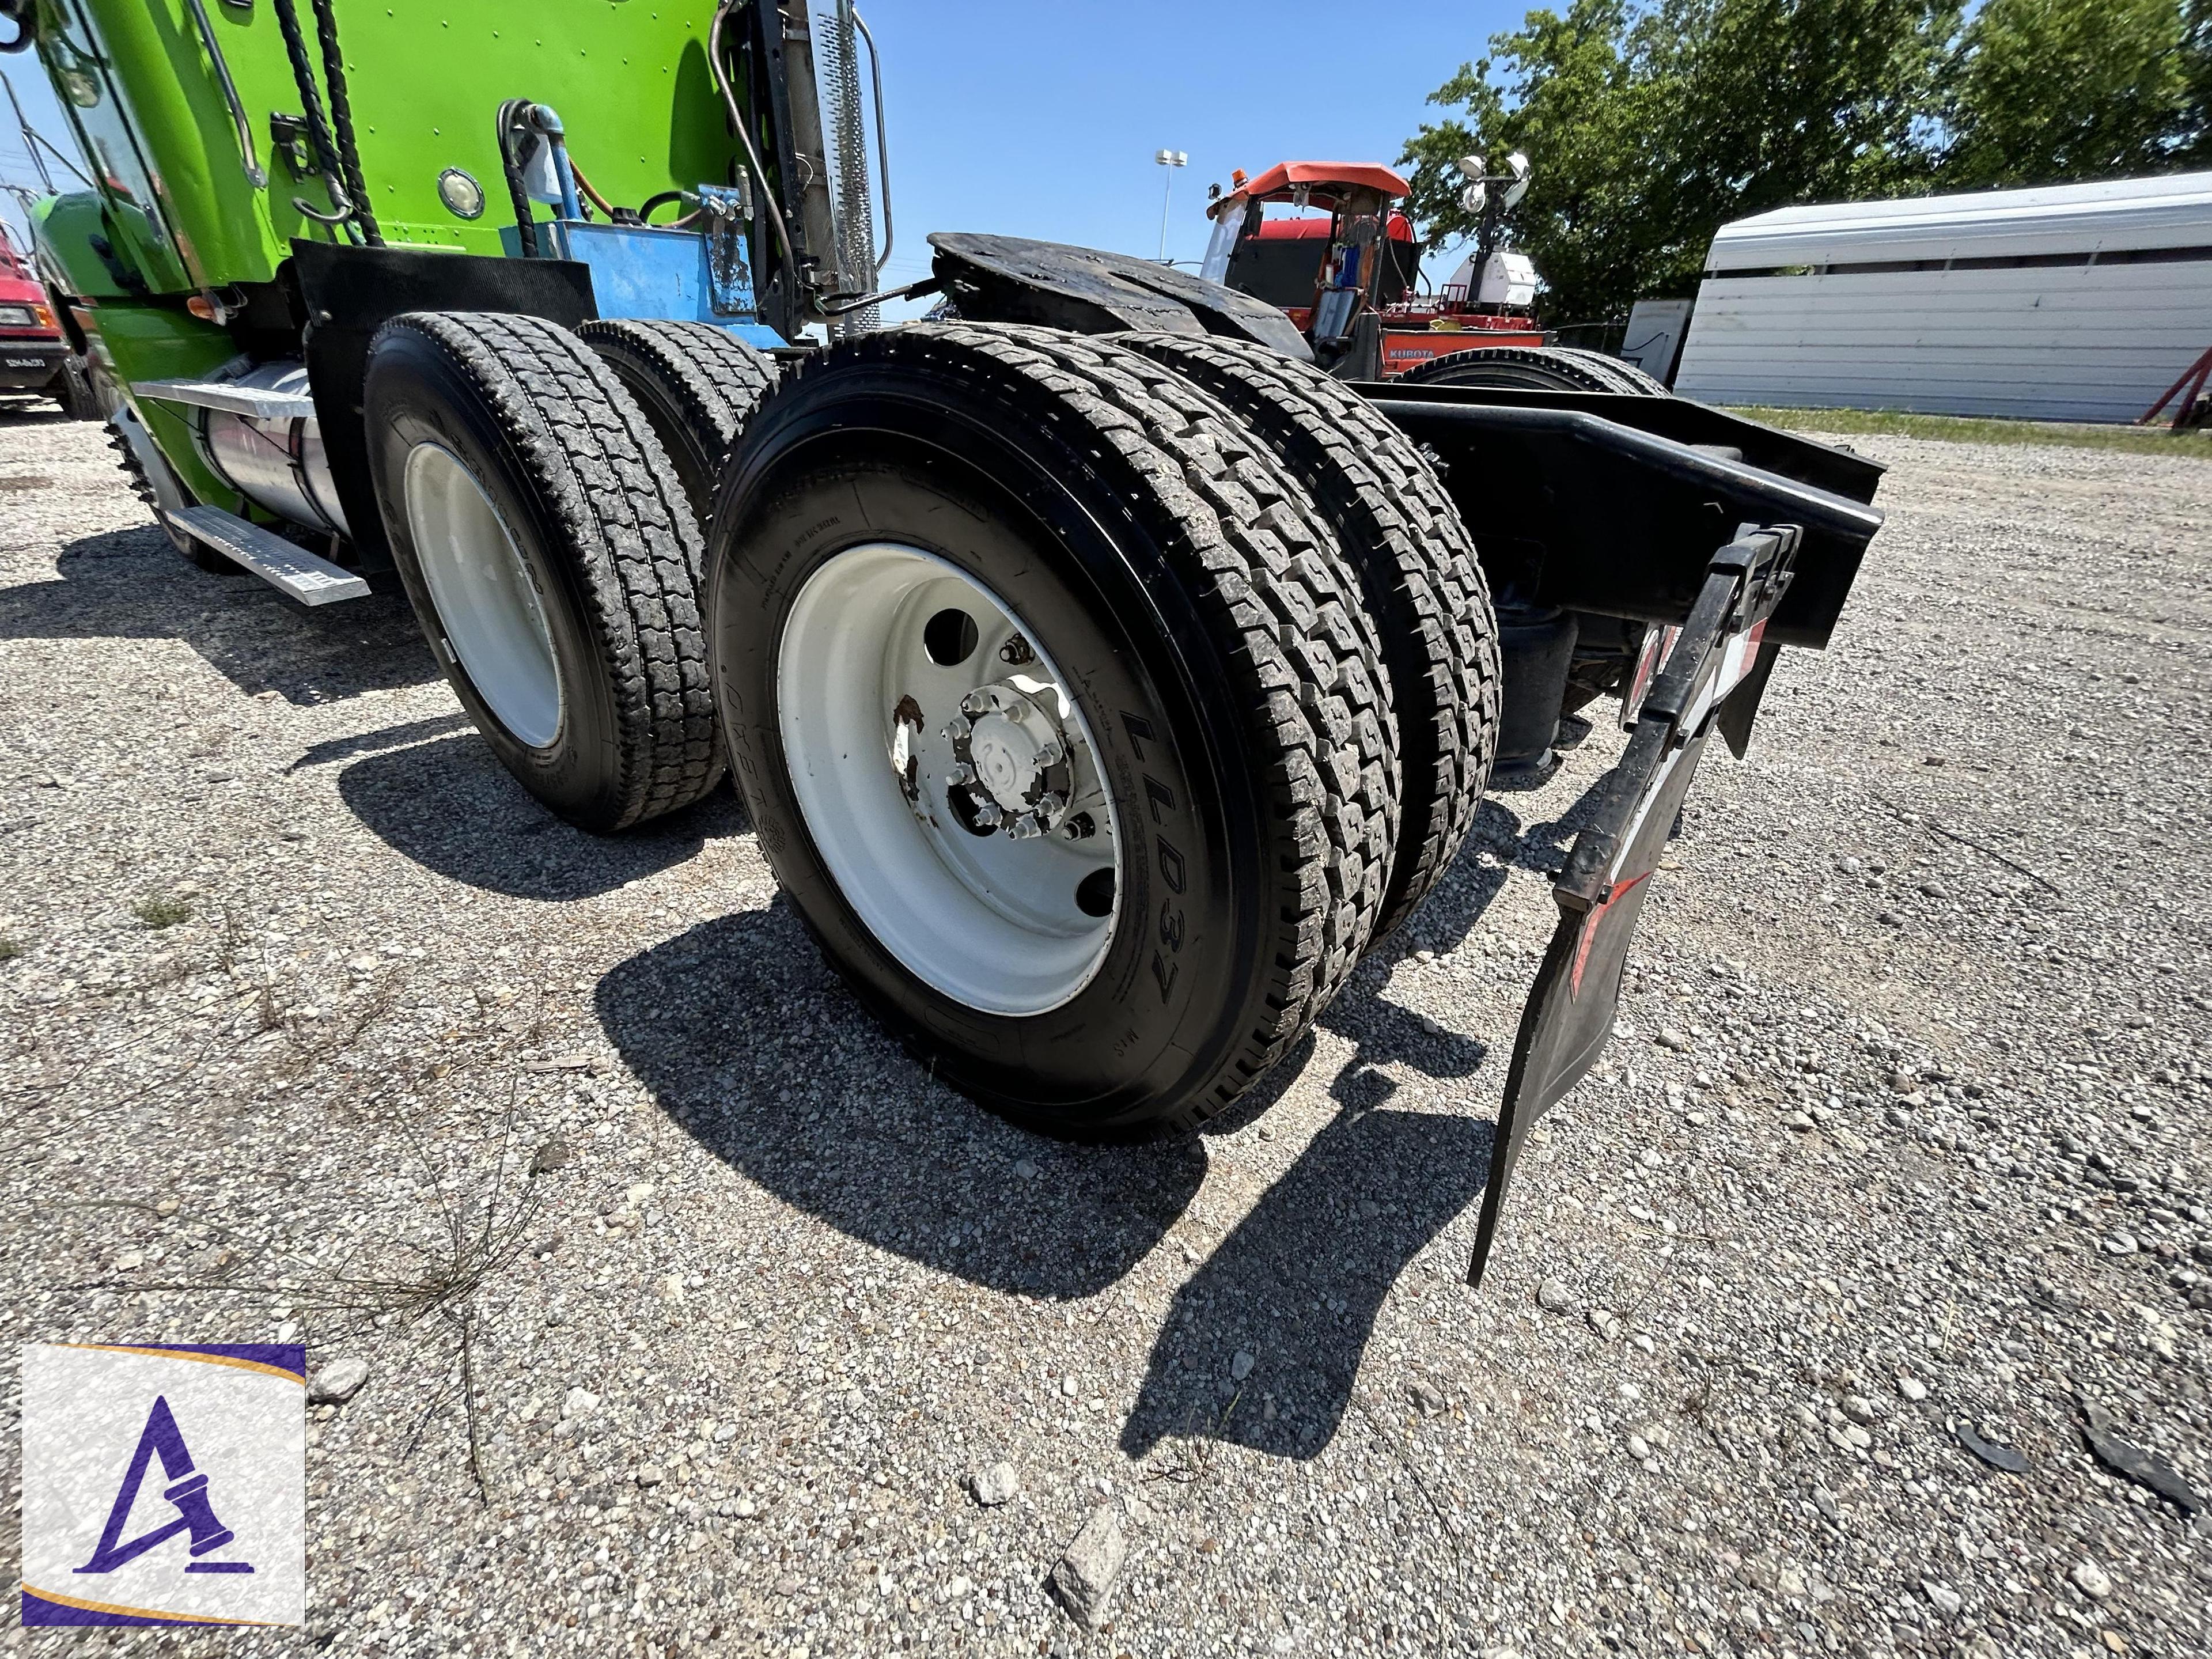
x=23, y=362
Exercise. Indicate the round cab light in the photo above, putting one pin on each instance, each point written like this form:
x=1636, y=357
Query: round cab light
x=463, y=195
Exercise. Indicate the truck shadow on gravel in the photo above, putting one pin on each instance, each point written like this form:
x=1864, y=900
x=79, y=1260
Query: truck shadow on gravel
x=746, y=1037
x=450, y=806
x=132, y=585
x=743, y=1035
x=1385, y=1033
x=1298, y=1284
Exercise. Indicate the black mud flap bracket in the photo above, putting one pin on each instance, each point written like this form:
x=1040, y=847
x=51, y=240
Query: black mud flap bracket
x=1719, y=657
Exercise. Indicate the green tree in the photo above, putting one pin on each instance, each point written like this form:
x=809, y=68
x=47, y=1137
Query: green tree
x=2050, y=91
x=1650, y=128
x=1575, y=100
x=2196, y=138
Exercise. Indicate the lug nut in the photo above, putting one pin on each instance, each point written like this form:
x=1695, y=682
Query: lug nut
x=976, y=705
x=956, y=728
x=1080, y=827
x=961, y=773
x=988, y=813
x=1049, y=753
x=1016, y=650
x=1025, y=827
x=1051, y=804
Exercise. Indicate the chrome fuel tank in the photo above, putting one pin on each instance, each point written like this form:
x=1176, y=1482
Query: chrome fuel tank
x=274, y=457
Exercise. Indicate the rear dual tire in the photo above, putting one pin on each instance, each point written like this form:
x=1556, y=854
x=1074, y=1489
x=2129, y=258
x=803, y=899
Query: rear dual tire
x=697, y=385
x=1539, y=368
x=1419, y=576
x=74, y=391
x=1188, y=608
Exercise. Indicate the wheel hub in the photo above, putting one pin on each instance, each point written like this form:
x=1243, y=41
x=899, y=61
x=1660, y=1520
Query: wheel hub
x=488, y=608
x=948, y=778
x=1011, y=769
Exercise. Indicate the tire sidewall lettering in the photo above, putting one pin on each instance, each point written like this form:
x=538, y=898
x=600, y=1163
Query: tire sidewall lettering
x=1125, y=1030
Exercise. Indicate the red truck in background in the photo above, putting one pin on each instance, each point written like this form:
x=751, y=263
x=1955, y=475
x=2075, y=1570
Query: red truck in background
x=35, y=357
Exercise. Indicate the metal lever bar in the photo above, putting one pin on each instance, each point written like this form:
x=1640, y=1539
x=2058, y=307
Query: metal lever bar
x=912, y=291
x=256, y=174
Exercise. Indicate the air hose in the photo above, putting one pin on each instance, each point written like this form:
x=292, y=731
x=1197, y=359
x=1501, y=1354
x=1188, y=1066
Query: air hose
x=513, y=119
x=646, y=209
x=326, y=31
x=24, y=14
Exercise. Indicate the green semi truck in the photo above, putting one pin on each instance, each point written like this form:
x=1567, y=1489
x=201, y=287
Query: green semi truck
x=1103, y=680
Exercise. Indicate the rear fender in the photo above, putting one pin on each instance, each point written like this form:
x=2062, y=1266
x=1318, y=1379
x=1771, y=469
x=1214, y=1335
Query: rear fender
x=1010, y=279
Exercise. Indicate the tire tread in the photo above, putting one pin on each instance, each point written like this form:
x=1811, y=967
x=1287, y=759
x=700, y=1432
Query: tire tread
x=1630, y=376
x=1566, y=367
x=1400, y=531
x=1286, y=616
x=712, y=380
x=593, y=459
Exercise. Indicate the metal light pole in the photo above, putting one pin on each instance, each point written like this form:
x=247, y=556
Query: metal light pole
x=1170, y=159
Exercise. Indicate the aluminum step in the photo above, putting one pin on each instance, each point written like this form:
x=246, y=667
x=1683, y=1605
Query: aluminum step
x=297, y=572
x=258, y=402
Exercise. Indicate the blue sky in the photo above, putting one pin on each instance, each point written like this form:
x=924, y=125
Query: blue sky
x=29, y=80
x=1040, y=119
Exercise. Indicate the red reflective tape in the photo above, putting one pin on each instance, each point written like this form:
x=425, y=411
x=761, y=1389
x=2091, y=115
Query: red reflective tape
x=1743, y=652
x=1589, y=932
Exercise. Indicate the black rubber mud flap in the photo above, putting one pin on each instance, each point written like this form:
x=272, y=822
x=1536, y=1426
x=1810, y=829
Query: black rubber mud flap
x=1712, y=675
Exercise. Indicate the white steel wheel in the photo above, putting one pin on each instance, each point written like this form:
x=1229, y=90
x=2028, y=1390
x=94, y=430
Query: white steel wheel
x=948, y=779
x=488, y=607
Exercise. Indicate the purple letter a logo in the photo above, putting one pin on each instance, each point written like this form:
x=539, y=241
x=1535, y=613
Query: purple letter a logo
x=187, y=1493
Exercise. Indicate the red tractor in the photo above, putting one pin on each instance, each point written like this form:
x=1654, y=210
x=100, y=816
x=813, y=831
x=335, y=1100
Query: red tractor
x=1344, y=264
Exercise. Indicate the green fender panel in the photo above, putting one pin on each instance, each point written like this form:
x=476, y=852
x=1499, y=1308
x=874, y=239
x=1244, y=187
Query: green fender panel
x=65, y=229
x=151, y=343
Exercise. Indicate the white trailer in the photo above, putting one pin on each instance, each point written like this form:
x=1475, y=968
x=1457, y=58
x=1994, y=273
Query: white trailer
x=2075, y=302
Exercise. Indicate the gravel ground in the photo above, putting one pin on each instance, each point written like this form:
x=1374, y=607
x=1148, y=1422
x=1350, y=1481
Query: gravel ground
x=689, y=1309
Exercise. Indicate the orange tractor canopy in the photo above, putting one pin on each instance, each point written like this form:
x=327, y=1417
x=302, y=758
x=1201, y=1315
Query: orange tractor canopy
x=1344, y=264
